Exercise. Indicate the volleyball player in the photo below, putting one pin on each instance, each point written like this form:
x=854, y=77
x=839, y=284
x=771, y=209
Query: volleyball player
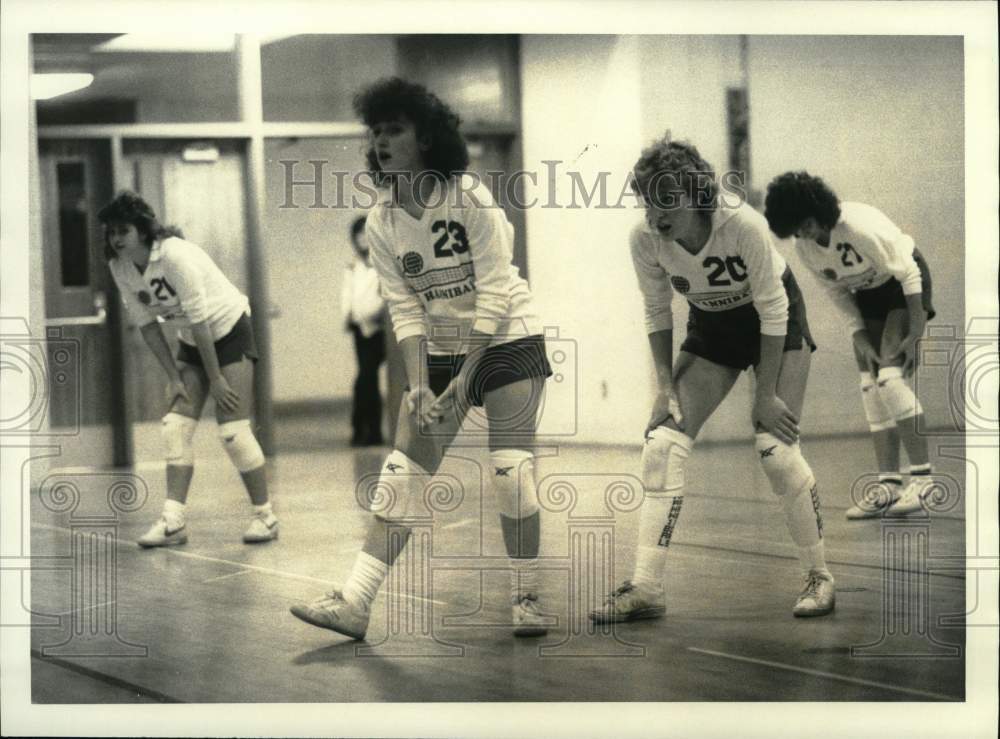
x=745, y=310
x=881, y=286
x=164, y=279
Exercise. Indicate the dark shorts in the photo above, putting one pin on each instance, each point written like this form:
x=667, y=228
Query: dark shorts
x=732, y=337
x=503, y=364
x=230, y=349
x=876, y=303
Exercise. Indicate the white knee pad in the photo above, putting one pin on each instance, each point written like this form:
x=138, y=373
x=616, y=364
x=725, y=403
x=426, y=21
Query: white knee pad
x=663, y=459
x=178, y=431
x=514, y=482
x=400, y=488
x=241, y=445
x=784, y=465
x=897, y=395
x=879, y=418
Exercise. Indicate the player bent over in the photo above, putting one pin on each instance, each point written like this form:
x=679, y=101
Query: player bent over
x=162, y=277
x=745, y=309
x=882, y=286
x=443, y=251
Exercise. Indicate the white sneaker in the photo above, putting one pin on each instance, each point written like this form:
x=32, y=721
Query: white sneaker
x=630, y=603
x=875, y=500
x=261, y=529
x=161, y=535
x=527, y=619
x=818, y=597
x=913, y=496
x=333, y=612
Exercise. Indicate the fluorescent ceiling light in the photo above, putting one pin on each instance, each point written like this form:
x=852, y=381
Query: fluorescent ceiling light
x=159, y=42
x=45, y=86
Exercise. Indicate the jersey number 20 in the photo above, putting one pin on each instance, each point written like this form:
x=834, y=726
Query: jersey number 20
x=733, y=265
x=451, y=231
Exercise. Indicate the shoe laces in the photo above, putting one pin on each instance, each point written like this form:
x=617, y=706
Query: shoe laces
x=812, y=586
x=329, y=600
x=529, y=602
x=623, y=589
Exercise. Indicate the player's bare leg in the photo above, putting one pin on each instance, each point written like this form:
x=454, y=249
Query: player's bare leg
x=178, y=427
x=700, y=386
x=240, y=443
x=512, y=411
x=874, y=499
x=908, y=414
x=405, y=474
x=792, y=480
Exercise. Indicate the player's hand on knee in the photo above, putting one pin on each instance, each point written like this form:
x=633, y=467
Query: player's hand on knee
x=905, y=349
x=419, y=402
x=225, y=397
x=771, y=414
x=867, y=352
x=665, y=407
x=176, y=389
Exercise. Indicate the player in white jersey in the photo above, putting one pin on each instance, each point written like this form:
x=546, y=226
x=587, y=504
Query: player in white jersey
x=468, y=334
x=164, y=279
x=745, y=310
x=881, y=286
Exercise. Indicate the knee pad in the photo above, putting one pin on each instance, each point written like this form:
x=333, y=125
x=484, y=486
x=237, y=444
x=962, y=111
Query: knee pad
x=785, y=467
x=514, y=482
x=878, y=416
x=178, y=432
x=663, y=459
x=400, y=488
x=241, y=445
x=897, y=395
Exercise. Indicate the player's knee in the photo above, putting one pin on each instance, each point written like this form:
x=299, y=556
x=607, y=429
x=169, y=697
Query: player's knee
x=785, y=467
x=241, y=445
x=178, y=433
x=877, y=414
x=514, y=482
x=897, y=395
x=663, y=459
x=400, y=488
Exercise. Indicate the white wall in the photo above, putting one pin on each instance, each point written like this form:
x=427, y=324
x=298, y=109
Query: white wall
x=881, y=120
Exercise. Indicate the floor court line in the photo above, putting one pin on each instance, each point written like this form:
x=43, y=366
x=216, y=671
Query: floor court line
x=256, y=568
x=227, y=576
x=827, y=675
x=71, y=611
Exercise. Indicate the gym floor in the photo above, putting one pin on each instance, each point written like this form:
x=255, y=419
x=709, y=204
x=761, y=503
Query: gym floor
x=208, y=622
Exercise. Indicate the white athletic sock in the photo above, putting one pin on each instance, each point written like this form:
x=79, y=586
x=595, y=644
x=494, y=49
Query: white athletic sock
x=173, y=513
x=366, y=578
x=524, y=576
x=264, y=511
x=657, y=519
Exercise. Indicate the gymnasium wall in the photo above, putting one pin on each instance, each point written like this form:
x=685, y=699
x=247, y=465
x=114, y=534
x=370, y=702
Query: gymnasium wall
x=880, y=118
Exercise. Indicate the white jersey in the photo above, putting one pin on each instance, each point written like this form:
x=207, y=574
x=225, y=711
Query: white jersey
x=181, y=286
x=450, y=270
x=739, y=264
x=866, y=250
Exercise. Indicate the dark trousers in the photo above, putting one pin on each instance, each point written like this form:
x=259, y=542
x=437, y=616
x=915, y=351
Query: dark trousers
x=366, y=411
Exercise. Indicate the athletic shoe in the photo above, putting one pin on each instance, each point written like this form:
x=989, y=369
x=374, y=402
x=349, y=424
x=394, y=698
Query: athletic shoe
x=630, y=603
x=912, y=498
x=334, y=613
x=874, y=502
x=528, y=621
x=161, y=535
x=261, y=529
x=817, y=597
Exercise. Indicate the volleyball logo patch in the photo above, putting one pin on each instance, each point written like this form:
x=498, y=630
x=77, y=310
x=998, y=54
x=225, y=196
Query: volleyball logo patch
x=680, y=284
x=413, y=263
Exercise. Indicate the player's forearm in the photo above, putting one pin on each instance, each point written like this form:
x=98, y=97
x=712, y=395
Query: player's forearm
x=771, y=349
x=152, y=335
x=206, y=349
x=918, y=319
x=410, y=348
x=661, y=343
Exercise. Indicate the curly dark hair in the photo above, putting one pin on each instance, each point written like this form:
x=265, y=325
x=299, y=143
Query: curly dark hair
x=796, y=196
x=394, y=98
x=128, y=207
x=678, y=165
